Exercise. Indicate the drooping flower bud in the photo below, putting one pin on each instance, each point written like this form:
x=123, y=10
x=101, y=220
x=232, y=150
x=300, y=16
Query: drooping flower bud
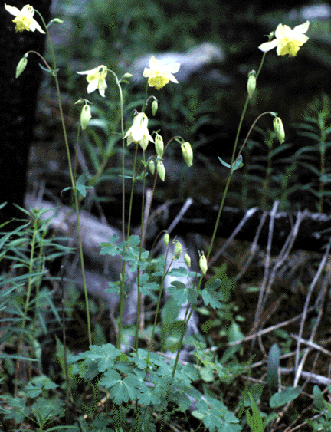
x=151, y=166
x=187, y=259
x=178, y=249
x=155, y=106
x=203, y=263
x=57, y=21
x=187, y=153
x=251, y=83
x=166, y=239
x=85, y=116
x=125, y=78
x=159, y=146
x=160, y=169
x=279, y=129
x=21, y=65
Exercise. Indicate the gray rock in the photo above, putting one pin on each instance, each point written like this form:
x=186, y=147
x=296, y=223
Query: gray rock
x=316, y=12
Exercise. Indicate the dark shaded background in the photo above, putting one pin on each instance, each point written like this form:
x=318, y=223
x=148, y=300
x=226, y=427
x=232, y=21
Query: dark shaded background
x=18, y=104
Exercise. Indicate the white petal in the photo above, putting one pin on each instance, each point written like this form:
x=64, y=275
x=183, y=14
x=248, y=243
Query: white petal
x=170, y=77
x=12, y=10
x=267, y=46
x=302, y=28
x=282, y=31
x=34, y=25
x=152, y=62
x=93, y=85
x=173, y=67
x=88, y=72
x=102, y=88
x=147, y=73
x=137, y=134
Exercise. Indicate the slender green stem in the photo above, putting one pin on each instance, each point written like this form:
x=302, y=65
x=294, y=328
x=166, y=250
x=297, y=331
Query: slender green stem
x=228, y=183
x=176, y=360
x=142, y=228
x=322, y=149
x=123, y=155
x=122, y=276
x=28, y=295
x=232, y=164
x=32, y=246
x=244, y=189
x=268, y=173
x=73, y=183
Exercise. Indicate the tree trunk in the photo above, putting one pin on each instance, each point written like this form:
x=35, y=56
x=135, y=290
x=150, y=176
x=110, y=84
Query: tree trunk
x=18, y=104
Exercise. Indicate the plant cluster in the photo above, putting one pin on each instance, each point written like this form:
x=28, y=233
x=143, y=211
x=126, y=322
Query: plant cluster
x=106, y=388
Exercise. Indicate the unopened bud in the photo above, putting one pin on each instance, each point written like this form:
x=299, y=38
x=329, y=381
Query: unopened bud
x=178, y=249
x=279, y=129
x=160, y=169
x=126, y=76
x=187, y=259
x=155, y=106
x=85, y=116
x=187, y=153
x=203, y=263
x=166, y=239
x=21, y=65
x=251, y=83
x=151, y=166
x=159, y=146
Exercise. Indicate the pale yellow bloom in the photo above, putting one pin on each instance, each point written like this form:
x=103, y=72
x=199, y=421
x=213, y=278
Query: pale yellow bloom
x=159, y=74
x=138, y=132
x=24, y=18
x=287, y=41
x=97, y=79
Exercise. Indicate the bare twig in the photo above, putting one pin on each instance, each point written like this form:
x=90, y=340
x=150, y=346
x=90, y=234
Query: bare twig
x=312, y=344
x=299, y=366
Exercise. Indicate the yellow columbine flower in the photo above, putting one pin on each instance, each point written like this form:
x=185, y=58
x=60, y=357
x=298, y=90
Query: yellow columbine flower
x=96, y=79
x=138, y=132
x=159, y=74
x=287, y=41
x=24, y=18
